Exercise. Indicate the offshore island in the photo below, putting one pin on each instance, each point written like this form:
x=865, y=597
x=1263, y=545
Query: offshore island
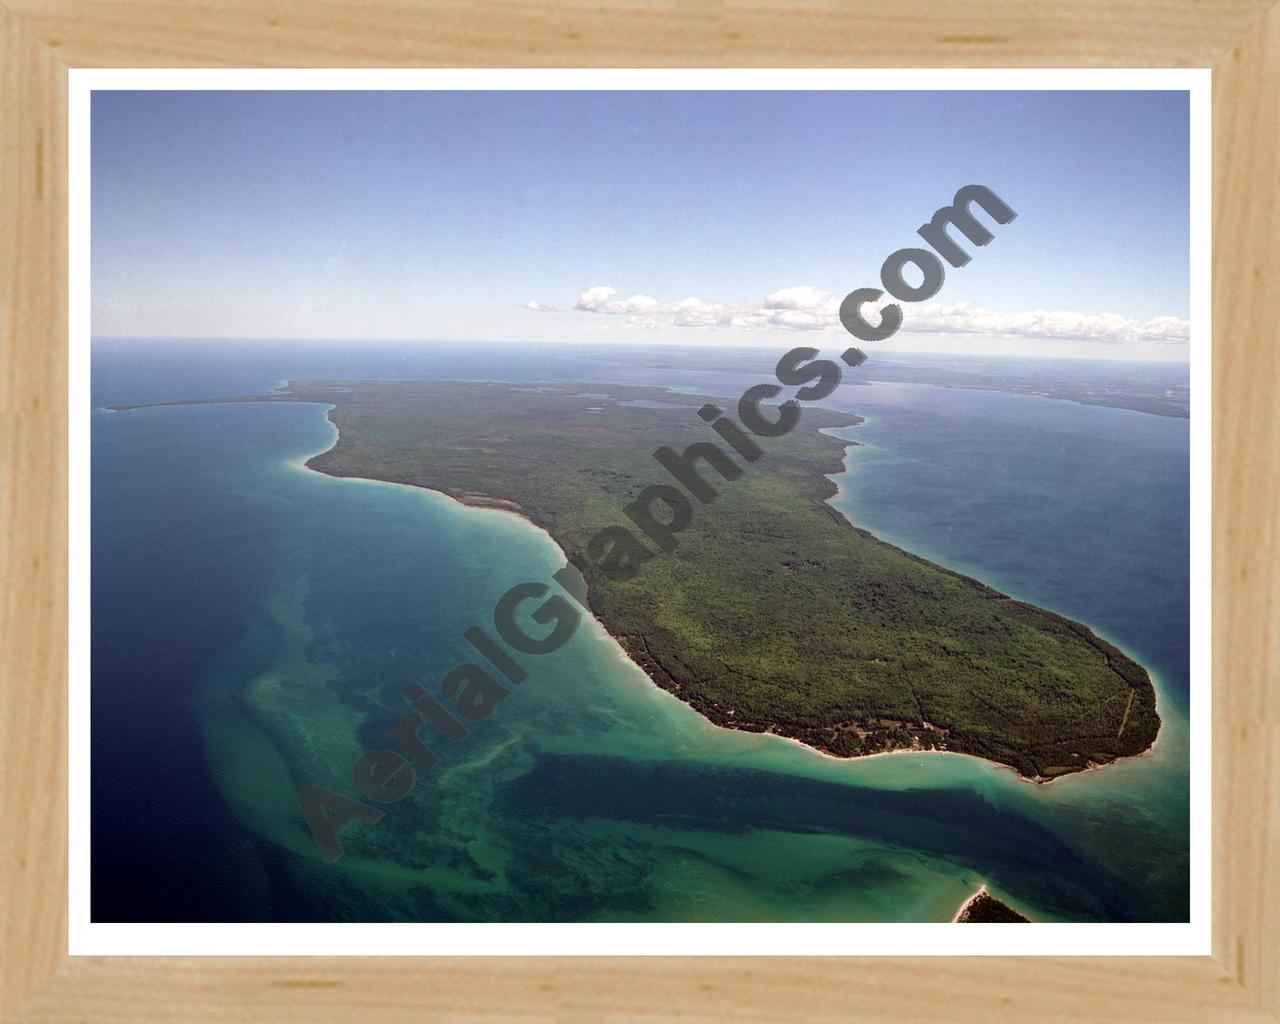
x=774, y=613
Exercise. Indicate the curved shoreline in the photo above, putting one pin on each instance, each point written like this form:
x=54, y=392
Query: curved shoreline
x=982, y=891
x=485, y=505
x=941, y=563
x=507, y=507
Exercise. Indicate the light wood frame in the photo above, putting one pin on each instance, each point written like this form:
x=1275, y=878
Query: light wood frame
x=41, y=39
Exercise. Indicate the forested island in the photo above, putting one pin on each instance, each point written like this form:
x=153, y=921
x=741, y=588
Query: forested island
x=772, y=613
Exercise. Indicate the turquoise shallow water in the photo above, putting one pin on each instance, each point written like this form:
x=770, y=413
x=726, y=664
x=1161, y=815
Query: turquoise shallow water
x=244, y=606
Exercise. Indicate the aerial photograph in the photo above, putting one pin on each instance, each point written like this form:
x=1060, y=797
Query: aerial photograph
x=640, y=506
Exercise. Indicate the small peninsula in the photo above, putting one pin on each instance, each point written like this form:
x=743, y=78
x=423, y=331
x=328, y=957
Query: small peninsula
x=774, y=613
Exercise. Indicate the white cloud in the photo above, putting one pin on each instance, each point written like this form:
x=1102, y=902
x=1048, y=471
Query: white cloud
x=799, y=320
x=804, y=308
x=595, y=300
x=966, y=318
x=635, y=304
x=801, y=297
x=541, y=307
x=600, y=300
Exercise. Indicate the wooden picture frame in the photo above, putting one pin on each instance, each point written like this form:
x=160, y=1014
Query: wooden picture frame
x=41, y=39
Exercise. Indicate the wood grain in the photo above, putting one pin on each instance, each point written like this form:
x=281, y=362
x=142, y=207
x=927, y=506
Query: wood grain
x=653, y=991
x=1246, y=436
x=657, y=33
x=39, y=38
x=33, y=512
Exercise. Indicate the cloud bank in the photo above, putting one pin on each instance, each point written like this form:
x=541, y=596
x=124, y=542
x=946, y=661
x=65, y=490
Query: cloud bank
x=802, y=308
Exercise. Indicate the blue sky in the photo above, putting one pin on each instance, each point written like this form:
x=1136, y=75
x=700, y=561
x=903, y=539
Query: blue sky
x=492, y=215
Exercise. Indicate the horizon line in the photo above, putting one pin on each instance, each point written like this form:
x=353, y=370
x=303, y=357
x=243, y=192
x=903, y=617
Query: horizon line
x=95, y=338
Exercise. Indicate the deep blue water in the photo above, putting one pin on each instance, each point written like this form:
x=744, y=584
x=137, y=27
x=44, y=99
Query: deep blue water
x=218, y=564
